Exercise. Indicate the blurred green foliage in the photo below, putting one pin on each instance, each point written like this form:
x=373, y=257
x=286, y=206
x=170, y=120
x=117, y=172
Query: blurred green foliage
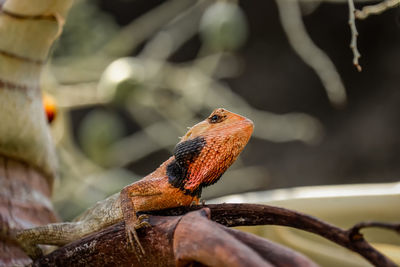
x=223, y=27
x=86, y=30
x=99, y=130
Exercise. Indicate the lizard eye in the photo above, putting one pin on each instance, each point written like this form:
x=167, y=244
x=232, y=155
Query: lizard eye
x=215, y=118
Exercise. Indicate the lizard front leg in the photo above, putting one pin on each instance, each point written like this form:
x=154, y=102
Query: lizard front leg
x=133, y=198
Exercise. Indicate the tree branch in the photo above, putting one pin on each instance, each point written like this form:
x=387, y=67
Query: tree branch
x=354, y=35
x=377, y=9
x=164, y=237
x=255, y=214
x=355, y=230
x=186, y=240
x=313, y=56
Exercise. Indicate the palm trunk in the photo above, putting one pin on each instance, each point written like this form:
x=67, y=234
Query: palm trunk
x=27, y=157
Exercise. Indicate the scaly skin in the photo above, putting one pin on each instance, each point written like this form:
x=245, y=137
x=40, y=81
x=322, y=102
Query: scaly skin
x=200, y=158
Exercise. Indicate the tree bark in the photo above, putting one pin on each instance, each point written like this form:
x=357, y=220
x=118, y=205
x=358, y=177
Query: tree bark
x=188, y=240
x=24, y=202
x=27, y=156
x=191, y=239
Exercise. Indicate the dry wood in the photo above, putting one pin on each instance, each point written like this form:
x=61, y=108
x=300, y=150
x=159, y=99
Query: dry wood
x=190, y=238
x=176, y=240
x=24, y=202
x=27, y=157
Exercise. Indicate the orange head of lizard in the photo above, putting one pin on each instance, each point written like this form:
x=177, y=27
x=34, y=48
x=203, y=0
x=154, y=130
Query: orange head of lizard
x=207, y=150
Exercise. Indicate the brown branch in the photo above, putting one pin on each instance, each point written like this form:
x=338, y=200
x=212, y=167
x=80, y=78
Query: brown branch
x=276, y=254
x=187, y=240
x=255, y=214
x=196, y=239
x=355, y=230
x=24, y=200
x=162, y=239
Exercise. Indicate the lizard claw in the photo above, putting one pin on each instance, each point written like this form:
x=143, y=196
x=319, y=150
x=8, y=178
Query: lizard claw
x=142, y=221
x=133, y=238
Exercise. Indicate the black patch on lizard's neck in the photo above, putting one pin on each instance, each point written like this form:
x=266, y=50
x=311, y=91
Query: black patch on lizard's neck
x=185, y=153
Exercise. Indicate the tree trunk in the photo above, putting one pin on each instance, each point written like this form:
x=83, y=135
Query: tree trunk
x=27, y=157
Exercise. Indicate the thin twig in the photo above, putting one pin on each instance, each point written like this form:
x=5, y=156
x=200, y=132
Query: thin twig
x=354, y=34
x=126, y=41
x=290, y=16
x=354, y=232
x=377, y=9
x=255, y=214
x=175, y=33
x=191, y=239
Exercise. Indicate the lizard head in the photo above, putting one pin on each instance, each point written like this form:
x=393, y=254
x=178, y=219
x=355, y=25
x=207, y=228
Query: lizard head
x=221, y=121
x=207, y=150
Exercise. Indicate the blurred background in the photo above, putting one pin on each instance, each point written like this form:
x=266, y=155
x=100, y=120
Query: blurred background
x=129, y=77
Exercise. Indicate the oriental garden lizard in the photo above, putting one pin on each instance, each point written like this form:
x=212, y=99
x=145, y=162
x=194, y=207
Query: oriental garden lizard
x=203, y=154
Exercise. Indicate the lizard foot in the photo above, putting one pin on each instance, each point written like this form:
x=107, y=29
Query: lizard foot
x=142, y=221
x=130, y=227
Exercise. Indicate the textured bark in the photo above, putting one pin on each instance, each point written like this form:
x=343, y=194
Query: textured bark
x=191, y=239
x=27, y=32
x=24, y=202
x=27, y=157
x=256, y=214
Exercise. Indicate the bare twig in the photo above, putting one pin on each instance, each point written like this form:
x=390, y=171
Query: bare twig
x=377, y=9
x=290, y=15
x=192, y=231
x=129, y=38
x=354, y=34
x=176, y=241
x=354, y=232
x=175, y=33
x=254, y=214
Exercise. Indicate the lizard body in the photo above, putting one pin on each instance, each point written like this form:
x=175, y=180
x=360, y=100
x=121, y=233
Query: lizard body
x=203, y=154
